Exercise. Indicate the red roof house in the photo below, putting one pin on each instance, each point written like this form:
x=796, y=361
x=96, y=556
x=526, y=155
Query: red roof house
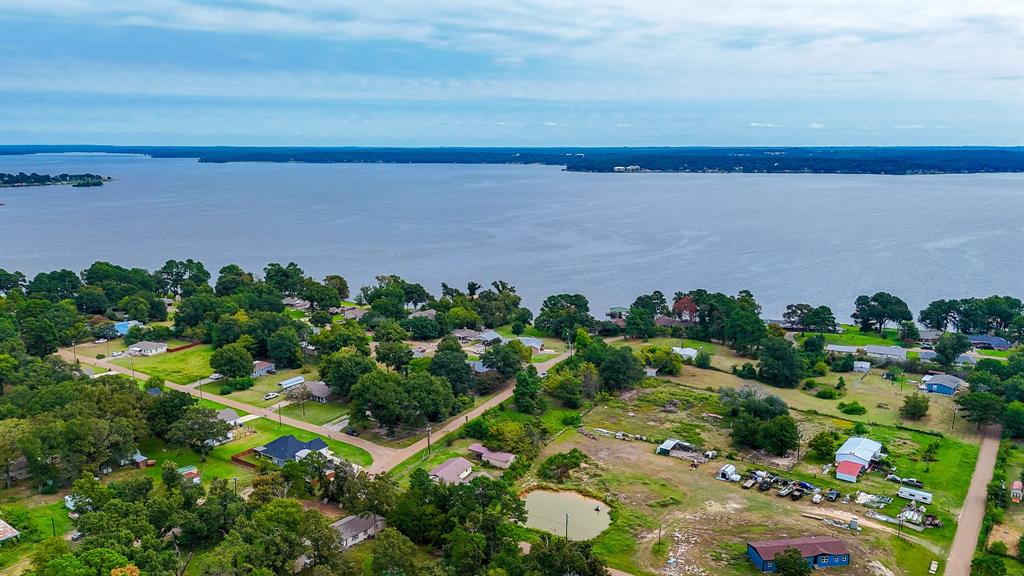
x=848, y=471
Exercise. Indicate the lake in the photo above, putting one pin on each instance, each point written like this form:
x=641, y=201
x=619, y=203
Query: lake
x=815, y=238
x=548, y=510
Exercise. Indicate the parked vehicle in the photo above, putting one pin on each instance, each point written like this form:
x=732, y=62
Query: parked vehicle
x=216, y=376
x=894, y=478
x=766, y=483
x=816, y=499
x=116, y=354
x=833, y=495
x=100, y=341
x=786, y=489
x=797, y=494
x=352, y=432
x=76, y=536
x=270, y=395
x=913, y=482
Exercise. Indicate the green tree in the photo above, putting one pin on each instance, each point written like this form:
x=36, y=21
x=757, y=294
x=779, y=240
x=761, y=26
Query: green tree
x=518, y=328
x=822, y=445
x=284, y=349
x=780, y=364
x=909, y=331
x=393, y=554
x=556, y=556
x=342, y=369
x=92, y=300
x=338, y=283
x=341, y=335
x=640, y=322
x=199, y=428
x=232, y=360
x=382, y=395
x=396, y=355
x=451, y=365
x=165, y=409
x=950, y=346
x=939, y=314
x=744, y=331
x=465, y=551
x=981, y=408
x=40, y=336
x=790, y=562
x=987, y=565
x=874, y=312
x=915, y=407
x=527, y=391
x=288, y=279
x=1013, y=419
x=431, y=395
x=779, y=435
x=135, y=307
x=561, y=314
x=390, y=330
x=504, y=358
x=320, y=296
x=620, y=369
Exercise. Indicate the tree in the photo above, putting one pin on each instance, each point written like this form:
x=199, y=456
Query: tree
x=518, y=328
x=939, y=314
x=796, y=315
x=987, y=565
x=341, y=335
x=465, y=551
x=390, y=330
x=702, y=359
x=451, y=365
x=779, y=435
x=982, y=408
x=338, y=283
x=915, y=407
x=232, y=360
x=393, y=554
x=821, y=319
x=320, y=296
x=909, y=331
x=640, y=322
x=165, y=409
x=342, y=369
x=561, y=314
x=744, y=331
x=10, y=281
x=1013, y=419
x=780, y=364
x=949, y=348
x=396, y=355
x=556, y=555
x=284, y=349
x=874, y=312
x=92, y=300
x=823, y=445
x=288, y=279
x=431, y=395
x=620, y=369
x=382, y=395
x=684, y=307
x=790, y=562
x=199, y=429
x=527, y=392
x=504, y=358
x=40, y=336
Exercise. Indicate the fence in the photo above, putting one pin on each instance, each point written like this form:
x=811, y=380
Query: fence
x=192, y=344
x=241, y=461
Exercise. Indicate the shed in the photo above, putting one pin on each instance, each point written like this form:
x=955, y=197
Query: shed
x=687, y=353
x=859, y=450
x=945, y=384
x=261, y=368
x=819, y=551
x=291, y=382
x=7, y=532
x=892, y=352
x=861, y=366
x=848, y=471
x=840, y=349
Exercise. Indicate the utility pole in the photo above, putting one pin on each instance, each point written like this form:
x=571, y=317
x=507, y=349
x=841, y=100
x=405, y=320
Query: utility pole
x=955, y=410
x=53, y=526
x=236, y=484
x=567, y=526
x=428, y=440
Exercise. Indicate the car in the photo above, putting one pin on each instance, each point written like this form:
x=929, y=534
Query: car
x=116, y=354
x=894, y=478
x=270, y=395
x=927, y=347
x=914, y=482
x=352, y=432
x=100, y=341
x=76, y=536
x=832, y=495
x=216, y=376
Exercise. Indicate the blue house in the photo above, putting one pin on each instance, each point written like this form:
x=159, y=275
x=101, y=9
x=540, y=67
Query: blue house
x=291, y=449
x=945, y=384
x=819, y=551
x=988, y=341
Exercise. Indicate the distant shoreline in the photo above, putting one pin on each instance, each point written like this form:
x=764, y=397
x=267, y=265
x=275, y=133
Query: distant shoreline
x=799, y=160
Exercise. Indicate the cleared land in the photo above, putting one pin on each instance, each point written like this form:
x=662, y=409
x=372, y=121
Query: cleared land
x=182, y=367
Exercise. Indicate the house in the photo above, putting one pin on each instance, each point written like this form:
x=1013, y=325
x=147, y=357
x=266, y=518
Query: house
x=355, y=529
x=354, y=313
x=819, y=551
x=916, y=495
x=535, y=344
x=965, y=359
x=147, y=348
x=617, y=311
x=295, y=303
x=466, y=335
x=291, y=449
x=848, y=471
x=123, y=327
x=667, y=322
x=890, y=352
x=478, y=366
x=455, y=470
x=429, y=313
x=945, y=384
x=17, y=470
x=7, y=532
x=988, y=342
x=861, y=366
x=291, y=382
x=1016, y=491
x=229, y=416
x=496, y=459
x=318, y=391
x=929, y=336
x=490, y=337
x=190, y=474
x=861, y=451
x=686, y=353
x=262, y=368
x=840, y=349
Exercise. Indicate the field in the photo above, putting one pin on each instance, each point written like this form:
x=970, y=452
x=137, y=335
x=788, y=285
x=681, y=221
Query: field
x=852, y=336
x=182, y=367
x=49, y=517
x=714, y=519
x=315, y=412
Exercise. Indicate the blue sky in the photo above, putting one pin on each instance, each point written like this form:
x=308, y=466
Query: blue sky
x=481, y=73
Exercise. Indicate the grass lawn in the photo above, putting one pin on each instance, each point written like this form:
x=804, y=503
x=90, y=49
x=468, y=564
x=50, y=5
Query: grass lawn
x=315, y=412
x=261, y=386
x=852, y=336
x=47, y=518
x=997, y=353
x=181, y=367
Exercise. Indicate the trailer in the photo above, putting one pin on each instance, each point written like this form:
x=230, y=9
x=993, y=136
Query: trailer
x=915, y=495
x=749, y=483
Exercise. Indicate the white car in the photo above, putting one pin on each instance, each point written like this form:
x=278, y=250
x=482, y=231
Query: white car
x=271, y=395
x=100, y=341
x=116, y=354
x=215, y=376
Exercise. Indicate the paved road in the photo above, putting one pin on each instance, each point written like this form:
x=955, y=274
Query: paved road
x=969, y=525
x=384, y=458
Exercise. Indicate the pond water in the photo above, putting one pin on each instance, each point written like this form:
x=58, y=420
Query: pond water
x=547, y=510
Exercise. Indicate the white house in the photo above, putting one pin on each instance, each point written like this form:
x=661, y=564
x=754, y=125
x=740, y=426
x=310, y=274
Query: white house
x=687, y=353
x=355, y=529
x=861, y=451
x=318, y=391
x=536, y=344
x=891, y=352
x=840, y=349
x=229, y=416
x=861, y=366
x=261, y=368
x=147, y=348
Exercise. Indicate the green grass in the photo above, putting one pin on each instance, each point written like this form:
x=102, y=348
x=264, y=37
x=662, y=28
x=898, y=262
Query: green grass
x=261, y=386
x=852, y=336
x=550, y=344
x=315, y=412
x=997, y=353
x=181, y=367
x=48, y=519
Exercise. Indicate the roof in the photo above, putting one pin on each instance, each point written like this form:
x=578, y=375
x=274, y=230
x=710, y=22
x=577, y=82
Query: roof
x=849, y=468
x=478, y=366
x=465, y=333
x=261, y=365
x=841, y=348
x=490, y=335
x=618, y=309
x=863, y=448
x=946, y=380
x=429, y=313
x=666, y=321
x=808, y=546
x=531, y=342
x=478, y=448
x=989, y=339
x=147, y=345
x=286, y=447
x=886, y=350
x=227, y=415
x=927, y=354
x=452, y=470
x=7, y=531
x=929, y=334
x=685, y=352
x=1017, y=485
x=966, y=359
x=318, y=388
x=290, y=382
x=351, y=525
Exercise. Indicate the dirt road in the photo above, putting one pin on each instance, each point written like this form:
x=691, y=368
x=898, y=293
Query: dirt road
x=969, y=524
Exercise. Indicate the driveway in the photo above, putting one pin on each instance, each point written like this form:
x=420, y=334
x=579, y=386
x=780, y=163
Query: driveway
x=969, y=525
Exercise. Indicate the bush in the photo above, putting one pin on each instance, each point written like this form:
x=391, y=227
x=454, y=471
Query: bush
x=100, y=356
x=998, y=548
x=810, y=384
x=827, y=394
x=225, y=390
x=819, y=369
x=557, y=467
x=572, y=419
x=843, y=363
x=747, y=371
x=859, y=429
x=852, y=408
x=703, y=360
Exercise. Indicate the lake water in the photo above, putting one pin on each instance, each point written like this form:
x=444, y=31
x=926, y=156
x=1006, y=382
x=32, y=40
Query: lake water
x=821, y=239
x=546, y=510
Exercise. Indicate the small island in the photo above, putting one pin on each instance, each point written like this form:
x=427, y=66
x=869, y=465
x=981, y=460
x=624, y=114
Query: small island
x=33, y=179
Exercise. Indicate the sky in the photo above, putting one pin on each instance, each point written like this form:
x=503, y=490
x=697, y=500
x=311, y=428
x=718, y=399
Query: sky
x=516, y=73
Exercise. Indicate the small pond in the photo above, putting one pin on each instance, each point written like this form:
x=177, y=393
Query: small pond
x=547, y=510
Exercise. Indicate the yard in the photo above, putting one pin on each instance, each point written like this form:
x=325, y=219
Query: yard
x=183, y=367
x=263, y=385
x=315, y=412
x=49, y=516
x=556, y=345
x=852, y=336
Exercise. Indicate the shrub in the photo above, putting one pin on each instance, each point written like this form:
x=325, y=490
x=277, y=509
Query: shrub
x=747, y=371
x=703, y=360
x=852, y=408
x=843, y=363
x=810, y=384
x=859, y=429
x=226, y=389
x=572, y=419
x=819, y=369
x=827, y=394
x=557, y=467
x=998, y=548
x=100, y=356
